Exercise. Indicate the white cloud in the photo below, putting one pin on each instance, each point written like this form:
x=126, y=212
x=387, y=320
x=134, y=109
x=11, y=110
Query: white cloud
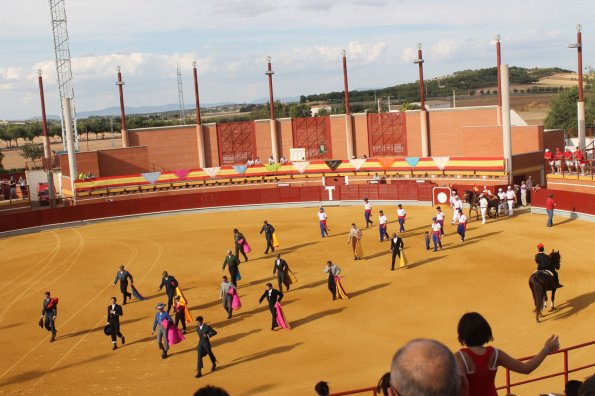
x=11, y=73
x=366, y=53
x=245, y=8
x=408, y=55
x=444, y=49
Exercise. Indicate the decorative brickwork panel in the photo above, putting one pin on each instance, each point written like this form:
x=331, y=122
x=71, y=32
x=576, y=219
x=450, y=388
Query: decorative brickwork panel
x=237, y=142
x=313, y=134
x=387, y=135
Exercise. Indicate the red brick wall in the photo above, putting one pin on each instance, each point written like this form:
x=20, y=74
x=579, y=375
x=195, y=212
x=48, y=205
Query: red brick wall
x=85, y=162
x=263, y=140
x=360, y=133
x=413, y=134
x=170, y=148
x=284, y=136
x=338, y=136
x=446, y=128
x=123, y=161
x=454, y=132
x=487, y=141
x=211, y=148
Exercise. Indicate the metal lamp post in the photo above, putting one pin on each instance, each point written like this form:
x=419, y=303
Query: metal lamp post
x=498, y=64
x=580, y=104
x=199, y=135
x=348, y=119
x=120, y=85
x=273, y=121
x=423, y=114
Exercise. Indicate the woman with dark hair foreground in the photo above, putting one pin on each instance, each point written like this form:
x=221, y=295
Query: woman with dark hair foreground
x=479, y=363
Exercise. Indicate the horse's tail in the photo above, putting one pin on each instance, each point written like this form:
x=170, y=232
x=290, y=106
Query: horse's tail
x=538, y=292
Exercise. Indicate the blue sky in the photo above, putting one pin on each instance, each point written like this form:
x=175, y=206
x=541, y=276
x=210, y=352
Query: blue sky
x=230, y=40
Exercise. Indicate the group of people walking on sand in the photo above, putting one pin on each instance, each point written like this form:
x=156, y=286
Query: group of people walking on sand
x=167, y=329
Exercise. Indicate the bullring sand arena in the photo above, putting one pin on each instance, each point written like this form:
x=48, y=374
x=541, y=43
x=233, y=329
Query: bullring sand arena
x=347, y=343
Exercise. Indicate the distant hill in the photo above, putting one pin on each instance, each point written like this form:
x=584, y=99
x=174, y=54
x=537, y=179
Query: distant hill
x=463, y=82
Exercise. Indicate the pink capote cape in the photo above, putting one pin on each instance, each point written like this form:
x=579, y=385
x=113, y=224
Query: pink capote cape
x=235, y=300
x=174, y=335
x=281, y=321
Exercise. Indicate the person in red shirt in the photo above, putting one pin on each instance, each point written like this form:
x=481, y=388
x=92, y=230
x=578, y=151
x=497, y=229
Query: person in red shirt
x=579, y=161
x=558, y=157
x=479, y=362
x=549, y=157
x=549, y=207
x=569, y=160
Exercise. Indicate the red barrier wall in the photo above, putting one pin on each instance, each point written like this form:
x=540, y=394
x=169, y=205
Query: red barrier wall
x=406, y=190
x=565, y=200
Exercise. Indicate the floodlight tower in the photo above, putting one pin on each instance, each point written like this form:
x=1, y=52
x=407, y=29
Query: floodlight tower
x=181, y=98
x=63, y=69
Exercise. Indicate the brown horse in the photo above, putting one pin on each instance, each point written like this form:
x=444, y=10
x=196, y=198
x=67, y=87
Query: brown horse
x=493, y=203
x=472, y=198
x=542, y=281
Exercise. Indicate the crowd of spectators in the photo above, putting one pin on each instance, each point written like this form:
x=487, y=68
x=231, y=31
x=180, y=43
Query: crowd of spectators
x=271, y=161
x=566, y=161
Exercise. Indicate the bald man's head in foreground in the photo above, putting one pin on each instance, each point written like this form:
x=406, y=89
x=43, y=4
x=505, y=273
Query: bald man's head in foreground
x=425, y=367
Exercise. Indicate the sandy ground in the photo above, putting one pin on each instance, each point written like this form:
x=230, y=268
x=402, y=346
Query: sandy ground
x=348, y=343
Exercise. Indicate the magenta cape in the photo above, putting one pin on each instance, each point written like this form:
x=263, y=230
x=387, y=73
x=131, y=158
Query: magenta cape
x=174, y=335
x=235, y=300
x=281, y=321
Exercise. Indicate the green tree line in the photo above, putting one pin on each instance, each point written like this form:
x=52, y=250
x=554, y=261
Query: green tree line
x=465, y=82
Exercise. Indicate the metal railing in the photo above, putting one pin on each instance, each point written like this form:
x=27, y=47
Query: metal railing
x=564, y=373
x=509, y=385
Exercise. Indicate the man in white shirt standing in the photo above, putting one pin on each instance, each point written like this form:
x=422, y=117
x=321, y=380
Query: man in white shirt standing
x=457, y=205
x=436, y=229
x=401, y=214
x=523, y=193
x=502, y=204
x=322, y=221
x=452, y=205
x=382, y=226
x=483, y=206
x=510, y=199
x=440, y=219
x=368, y=213
x=462, y=226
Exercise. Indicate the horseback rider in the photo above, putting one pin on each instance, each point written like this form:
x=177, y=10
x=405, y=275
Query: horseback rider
x=544, y=263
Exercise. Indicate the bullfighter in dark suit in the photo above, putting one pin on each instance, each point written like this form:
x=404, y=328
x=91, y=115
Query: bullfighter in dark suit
x=123, y=277
x=272, y=296
x=48, y=315
x=396, y=244
x=170, y=284
x=280, y=268
x=239, y=240
x=268, y=230
x=114, y=311
x=232, y=263
x=205, y=332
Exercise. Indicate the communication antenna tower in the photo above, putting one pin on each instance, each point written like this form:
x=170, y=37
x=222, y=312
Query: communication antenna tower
x=63, y=69
x=181, y=98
